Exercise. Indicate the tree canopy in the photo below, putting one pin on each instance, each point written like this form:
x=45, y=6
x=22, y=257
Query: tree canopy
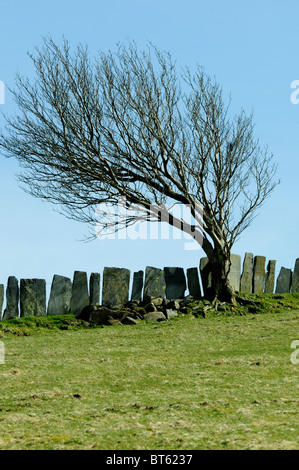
x=132, y=124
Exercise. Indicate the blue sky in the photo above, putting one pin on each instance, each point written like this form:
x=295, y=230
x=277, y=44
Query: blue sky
x=251, y=48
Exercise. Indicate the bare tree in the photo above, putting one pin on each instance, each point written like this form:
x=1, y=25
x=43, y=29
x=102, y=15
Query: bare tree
x=128, y=124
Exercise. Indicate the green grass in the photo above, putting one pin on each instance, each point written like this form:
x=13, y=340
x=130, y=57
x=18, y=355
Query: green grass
x=220, y=382
x=26, y=326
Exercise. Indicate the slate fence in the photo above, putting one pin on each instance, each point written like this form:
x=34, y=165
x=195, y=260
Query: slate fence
x=28, y=297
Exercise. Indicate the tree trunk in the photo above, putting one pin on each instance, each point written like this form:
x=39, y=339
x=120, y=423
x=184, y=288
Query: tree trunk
x=220, y=267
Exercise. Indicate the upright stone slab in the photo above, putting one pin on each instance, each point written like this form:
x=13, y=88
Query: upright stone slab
x=295, y=279
x=32, y=297
x=235, y=272
x=259, y=274
x=60, y=296
x=12, y=299
x=175, y=283
x=80, y=297
x=284, y=281
x=206, y=276
x=116, y=282
x=154, y=283
x=270, y=277
x=137, y=286
x=1, y=299
x=193, y=283
x=247, y=274
x=94, y=288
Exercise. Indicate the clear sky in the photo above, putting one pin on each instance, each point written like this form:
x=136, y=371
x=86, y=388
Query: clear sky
x=251, y=48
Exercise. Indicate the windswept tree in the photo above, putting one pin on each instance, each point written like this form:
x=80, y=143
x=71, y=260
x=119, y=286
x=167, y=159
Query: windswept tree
x=128, y=124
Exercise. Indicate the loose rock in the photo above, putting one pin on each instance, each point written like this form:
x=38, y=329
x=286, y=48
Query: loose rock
x=154, y=316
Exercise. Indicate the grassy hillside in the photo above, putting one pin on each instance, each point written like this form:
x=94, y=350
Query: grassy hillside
x=221, y=382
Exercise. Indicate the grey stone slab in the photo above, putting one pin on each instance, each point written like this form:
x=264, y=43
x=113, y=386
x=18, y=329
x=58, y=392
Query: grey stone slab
x=1, y=299
x=33, y=297
x=284, y=281
x=175, y=283
x=60, y=296
x=80, y=296
x=137, y=285
x=259, y=274
x=235, y=272
x=295, y=279
x=247, y=274
x=12, y=299
x=116, y=282
x=193, y=283
x=94, y=288
x=270, y=277
x=206, y=276
x=154, y=283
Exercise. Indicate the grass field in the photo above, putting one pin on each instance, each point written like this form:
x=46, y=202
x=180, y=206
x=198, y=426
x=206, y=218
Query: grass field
x=220, y=382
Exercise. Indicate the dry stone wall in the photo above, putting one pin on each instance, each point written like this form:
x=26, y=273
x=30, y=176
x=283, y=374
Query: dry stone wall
x=28, y=296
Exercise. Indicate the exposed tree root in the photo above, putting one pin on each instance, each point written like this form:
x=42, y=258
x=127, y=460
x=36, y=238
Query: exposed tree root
x=243, y=301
